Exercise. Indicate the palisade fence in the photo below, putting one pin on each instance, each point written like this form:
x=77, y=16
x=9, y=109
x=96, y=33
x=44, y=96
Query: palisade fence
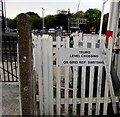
x=73, y=90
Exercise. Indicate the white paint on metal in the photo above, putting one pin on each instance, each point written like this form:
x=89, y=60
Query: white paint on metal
x=79, y=57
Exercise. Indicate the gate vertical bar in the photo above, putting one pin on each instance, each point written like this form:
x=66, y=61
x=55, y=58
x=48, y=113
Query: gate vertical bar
x=106, y=98
x=92, y=68
x=75, y=79
x=10, y=57
x=6, y=58
x=99, y=82
x=45, y=77
x=3, y=66
x=83, y=79
x=50, y=58
x=15, y=56
x=67, y=82
x=58, y=79
x=38, y=68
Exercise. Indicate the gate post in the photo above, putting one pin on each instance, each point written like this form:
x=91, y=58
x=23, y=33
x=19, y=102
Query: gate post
x=25, y=64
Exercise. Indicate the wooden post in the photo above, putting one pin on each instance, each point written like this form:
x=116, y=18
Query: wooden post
x=25, y=64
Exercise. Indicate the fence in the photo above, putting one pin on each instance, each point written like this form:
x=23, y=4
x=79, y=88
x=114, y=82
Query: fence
x=72, y=90
x=8, y=63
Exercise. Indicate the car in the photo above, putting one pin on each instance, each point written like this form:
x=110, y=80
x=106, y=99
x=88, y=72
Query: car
x=51, y=30
x=92, y=32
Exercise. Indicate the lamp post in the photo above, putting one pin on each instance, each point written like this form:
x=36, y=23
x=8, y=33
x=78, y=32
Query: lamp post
x=78, y=6
x=5, y=16
x=43, y=21
x=101, y=21
x=68, y=20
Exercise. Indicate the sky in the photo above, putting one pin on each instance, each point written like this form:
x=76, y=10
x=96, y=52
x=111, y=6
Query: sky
x=14, y=7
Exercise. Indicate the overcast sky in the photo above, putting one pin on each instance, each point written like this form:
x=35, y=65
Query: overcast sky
x=14, y=7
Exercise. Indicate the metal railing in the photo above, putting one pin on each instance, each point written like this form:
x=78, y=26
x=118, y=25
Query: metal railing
x=8, y=63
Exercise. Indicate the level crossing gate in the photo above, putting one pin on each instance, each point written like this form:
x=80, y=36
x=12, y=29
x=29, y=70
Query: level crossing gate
x=73, y=89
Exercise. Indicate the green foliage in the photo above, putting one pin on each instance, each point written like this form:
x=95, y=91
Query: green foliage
x=50, y=21
x=12, y=23
x=32, y=14
x=61, y=19
x=62, y=12
x=79, y=14
x=93, y=18
x=53, y=21
x=36, y=20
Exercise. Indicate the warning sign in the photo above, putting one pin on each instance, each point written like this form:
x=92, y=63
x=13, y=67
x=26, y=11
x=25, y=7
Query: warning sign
x=79, y=57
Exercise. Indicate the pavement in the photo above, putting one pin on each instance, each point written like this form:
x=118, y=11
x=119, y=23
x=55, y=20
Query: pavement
x=10, y=99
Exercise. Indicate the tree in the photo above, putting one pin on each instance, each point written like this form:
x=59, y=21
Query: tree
x=12, y=23
x=93, y=18
x=79, y=14
x=53, y=21
x=62, y=12
x=50, y=21
x=33, y=14
x=36, y=20
x=61, y=20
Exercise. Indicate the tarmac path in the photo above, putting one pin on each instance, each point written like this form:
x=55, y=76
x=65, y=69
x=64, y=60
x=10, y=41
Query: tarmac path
x=10, y=99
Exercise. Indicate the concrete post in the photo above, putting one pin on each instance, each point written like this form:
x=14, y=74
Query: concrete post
x=25, y=64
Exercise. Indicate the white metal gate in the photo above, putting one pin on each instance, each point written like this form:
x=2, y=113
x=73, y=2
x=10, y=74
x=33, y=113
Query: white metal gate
x=72, y=90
